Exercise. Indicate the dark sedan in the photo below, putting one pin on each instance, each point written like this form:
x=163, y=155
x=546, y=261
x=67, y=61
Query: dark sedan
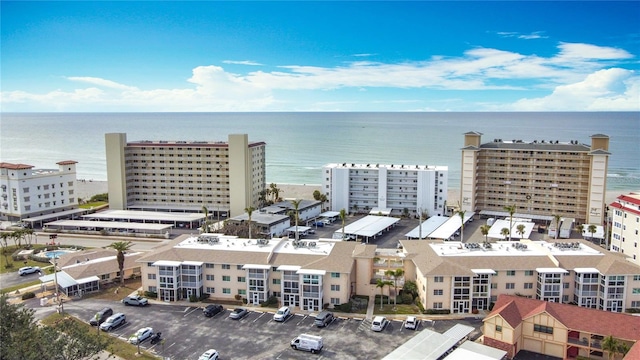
x=212, y=310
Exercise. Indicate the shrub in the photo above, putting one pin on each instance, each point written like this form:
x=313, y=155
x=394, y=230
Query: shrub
x=151, y=294
x=437, y=311
x=238, y=297
x=383, y=298
x=28, y=295
x=419, y=304
x=633, y=310
x=346, y=307
x=272, y=301
x=406, y=298
x=193, y=298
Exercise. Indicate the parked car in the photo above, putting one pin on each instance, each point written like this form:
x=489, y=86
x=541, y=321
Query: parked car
x=212, y=309
x=319, y=224
x=308, y=343
x=323, y=319
x=282, y=314
x=238, y=313
x=211, y=354
x=101, y=316
x=379, y=323
x=411, y=323
x=28, y=270
x=136, y=300
x=141, y=335
x=113, y=321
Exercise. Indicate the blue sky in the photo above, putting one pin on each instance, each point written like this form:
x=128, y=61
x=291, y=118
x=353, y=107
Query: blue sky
x=320, y=56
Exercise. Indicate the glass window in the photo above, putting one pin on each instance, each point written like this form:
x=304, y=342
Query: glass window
x=226, y=291
x=226, y=278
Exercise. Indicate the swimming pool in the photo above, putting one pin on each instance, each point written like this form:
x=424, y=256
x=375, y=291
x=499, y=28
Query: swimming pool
x=56, y=253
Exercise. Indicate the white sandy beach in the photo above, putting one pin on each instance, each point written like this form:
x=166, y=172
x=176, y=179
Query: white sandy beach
x=86, y=189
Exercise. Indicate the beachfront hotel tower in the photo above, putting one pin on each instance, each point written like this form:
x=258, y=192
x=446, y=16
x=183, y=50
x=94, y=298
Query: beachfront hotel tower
x=541, y=178
x=26, y=192
x=225, y=177
x=386, y=189
x=624, y=217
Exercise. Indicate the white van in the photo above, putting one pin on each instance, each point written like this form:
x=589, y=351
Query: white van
x=307, y=342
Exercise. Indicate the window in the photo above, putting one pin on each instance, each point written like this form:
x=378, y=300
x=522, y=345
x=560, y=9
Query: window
x=437, y=305
x=511, y=273
x=226, y=266
x=565, y=285
x=635, y=304
x=151, y=276
x=276, y=281
x=510, y=286
x=242, y=279
x=210, y=277
x=238, y=267
x=242, y=292
x=565, y=298
x=438, y=279
x=498, y=328
x=210, y=290
x=494, y=285
x=635, y=291
x=437, y=292
x=208, y=266
x=226, y=278
x=153, y=289
x=528, y=285
x=226, y=291
x=335, y=275
x=335, y=287
x=636, y=277
x=104, y=277
x=542, y=329
x=335, y=301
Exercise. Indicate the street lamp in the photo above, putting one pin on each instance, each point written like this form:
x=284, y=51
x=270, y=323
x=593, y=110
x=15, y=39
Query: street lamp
x=55, y=281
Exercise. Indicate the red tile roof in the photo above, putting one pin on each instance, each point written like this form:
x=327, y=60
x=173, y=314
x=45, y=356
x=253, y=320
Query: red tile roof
x=6, y=165
x=514, y=309
x=67, y=162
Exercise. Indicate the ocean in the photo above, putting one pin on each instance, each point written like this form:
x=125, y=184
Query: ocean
x=299, y=144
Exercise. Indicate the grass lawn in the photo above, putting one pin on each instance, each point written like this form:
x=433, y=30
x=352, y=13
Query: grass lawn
x=117, y=347
x=110, y=292
x=19, y=286
x=401, y=309
x=15, y=265
x=92, y=204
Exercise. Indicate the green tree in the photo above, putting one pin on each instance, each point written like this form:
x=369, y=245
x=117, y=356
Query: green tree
x=206, y=224
x=511, y=209
x=484, y=229
x=592, y=229
x=317, y=195
x=557, y=218
x=121, y=247
x=505, y=232
x=410, y=287
x=381, y=284
x=395, y=274
x=275, y=191
x=4, y=236
x=461, y=214
x=611, y=346
x=250, y=211
x=343, y=218
x=580, y=229
x=68, y=340
x=520, y=230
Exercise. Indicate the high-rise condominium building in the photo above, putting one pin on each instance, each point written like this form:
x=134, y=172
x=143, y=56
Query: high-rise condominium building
x=27, y=192
x=540, y=178
x=625, y=226
x=394, y=189
x=225, y=177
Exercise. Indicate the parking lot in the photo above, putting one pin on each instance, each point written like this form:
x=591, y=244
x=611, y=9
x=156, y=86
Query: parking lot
x=188, y=333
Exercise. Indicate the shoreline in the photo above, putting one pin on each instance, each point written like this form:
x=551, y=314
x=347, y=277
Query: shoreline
x=88, y=188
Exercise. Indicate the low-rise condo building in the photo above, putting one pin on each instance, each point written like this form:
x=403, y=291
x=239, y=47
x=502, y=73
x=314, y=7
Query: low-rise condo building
x=560, y=330
x=27, y=192
x=224, y=177
x=625, y=226
x=540, y=178
x=386, y=189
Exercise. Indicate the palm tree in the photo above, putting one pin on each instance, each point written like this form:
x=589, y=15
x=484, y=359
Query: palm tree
x=592, y=229
x=461, y=214
x=484, y=229
x=4, y=236
x=511, y=209
x=121, y=247
x=273, y=188
x=296, y=204
x=343, y=217
x=610, y=345
x=557, y=219
x=249, y=211
x=205, y=226
x=505, y=232
x=395, y=274
x=381, y=284
x=520, y=230
x=580, y=229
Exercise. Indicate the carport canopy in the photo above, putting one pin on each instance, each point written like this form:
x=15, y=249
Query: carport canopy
x=368, y=226
x=453, y=224
x=428, y=226
x=85, y=224
x=62, y=214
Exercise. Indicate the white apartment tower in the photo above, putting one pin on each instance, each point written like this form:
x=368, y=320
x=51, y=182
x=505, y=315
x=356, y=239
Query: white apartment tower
x=625, y=226
x=27, y=192
x=540, y=177
x=225, y=177
x=394, y=189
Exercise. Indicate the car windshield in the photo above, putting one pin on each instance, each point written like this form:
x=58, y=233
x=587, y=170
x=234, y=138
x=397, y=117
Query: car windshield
x=280, y=312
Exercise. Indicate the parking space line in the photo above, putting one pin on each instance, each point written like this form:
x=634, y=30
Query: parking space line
x=261, y=315
x=190, y=312
x=300, y=322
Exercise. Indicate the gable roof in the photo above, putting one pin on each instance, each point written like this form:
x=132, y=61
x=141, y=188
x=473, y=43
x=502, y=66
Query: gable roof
x=515, y=309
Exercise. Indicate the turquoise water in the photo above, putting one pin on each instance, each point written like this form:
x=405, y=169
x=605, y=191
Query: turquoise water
x=56, y=253
x=299, y=144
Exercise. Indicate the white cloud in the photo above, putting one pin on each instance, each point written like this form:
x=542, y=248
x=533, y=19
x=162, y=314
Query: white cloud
x=604, y=90
x=530, y=36
x=242, y=62
x=578, y=77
